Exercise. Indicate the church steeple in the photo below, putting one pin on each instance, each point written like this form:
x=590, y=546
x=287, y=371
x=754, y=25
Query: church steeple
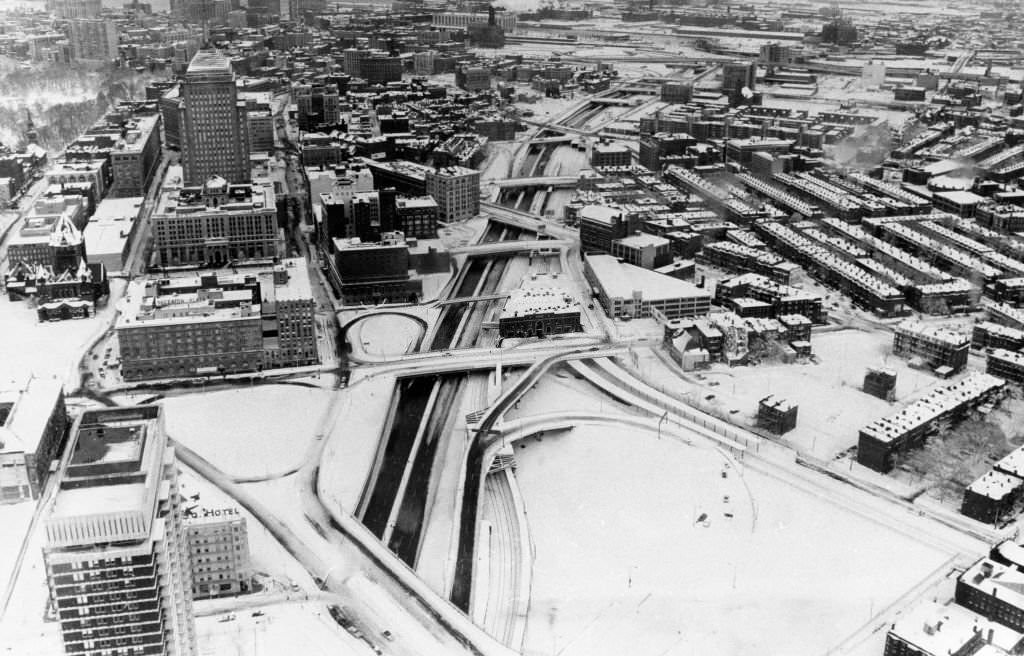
x=31, y=134
x=67, y=245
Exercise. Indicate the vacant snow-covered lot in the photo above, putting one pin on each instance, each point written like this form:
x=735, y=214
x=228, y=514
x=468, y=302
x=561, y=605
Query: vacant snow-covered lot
x=49, y=349
x=249, y=431
x=635, y=553
x=832, y=406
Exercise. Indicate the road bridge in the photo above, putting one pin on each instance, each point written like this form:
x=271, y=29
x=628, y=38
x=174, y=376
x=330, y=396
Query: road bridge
x=556, y=181
x=540, y=245
x=473, y=299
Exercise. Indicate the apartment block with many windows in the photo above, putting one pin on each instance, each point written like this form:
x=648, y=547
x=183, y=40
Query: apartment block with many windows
x=117, y=563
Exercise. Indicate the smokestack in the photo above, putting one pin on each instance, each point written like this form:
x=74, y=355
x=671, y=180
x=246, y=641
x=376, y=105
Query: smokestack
x=491, y=19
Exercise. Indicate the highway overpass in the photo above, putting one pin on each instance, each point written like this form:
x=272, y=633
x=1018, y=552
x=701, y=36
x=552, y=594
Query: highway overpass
x=556, y=181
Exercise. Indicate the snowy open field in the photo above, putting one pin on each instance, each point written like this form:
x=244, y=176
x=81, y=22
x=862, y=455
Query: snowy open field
x=305, y=628
x=623, y=567
x=249, y=431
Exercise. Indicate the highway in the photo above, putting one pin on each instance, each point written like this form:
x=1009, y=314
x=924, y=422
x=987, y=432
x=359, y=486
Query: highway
x=466, y=562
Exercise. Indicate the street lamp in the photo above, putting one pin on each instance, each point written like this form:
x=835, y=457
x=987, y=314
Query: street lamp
x=660, y=421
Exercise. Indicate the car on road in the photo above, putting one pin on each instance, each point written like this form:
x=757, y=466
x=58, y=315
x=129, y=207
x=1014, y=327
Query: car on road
x=258, y=613
x=387, y=635
x=227, y=618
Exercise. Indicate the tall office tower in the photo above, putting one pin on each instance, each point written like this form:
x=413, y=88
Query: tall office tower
x=117, y=560
x=93, y=40
x=76, y=8
x=215, y=133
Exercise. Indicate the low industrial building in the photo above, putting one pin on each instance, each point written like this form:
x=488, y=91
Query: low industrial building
x=882, y=440
x=628, y=291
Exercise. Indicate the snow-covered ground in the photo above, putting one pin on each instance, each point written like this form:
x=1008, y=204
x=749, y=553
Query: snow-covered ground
x=15, y=518
x=352, y=447
x=50, y=349
x=385, y=335
x=499, y=160
x=249, y=431
x=304, y=628
x=624, y=566
x=24, y=625
x=832, y=406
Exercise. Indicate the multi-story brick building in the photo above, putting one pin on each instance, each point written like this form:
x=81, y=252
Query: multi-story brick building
x=539, y=311
x=136, y=157
x=643, y=250
x=776, y=415
x=210, y=324
x=117, y=562
x=215, y=224
x=600, y=226
x=939, y=347
x=372, y=272
x=381, y=68
x=218, y=543
x=783, y=298
x=1008, y=365
x=992, y=497
x=988, y=334
x=993, y=590
x=473, y=78
x=610, y=154
x=417, y=217
x=317, y=104
x=881, y=441
x=33, y=423
x=456, y=190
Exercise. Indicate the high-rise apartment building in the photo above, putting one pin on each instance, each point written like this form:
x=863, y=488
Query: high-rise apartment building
x=93, y=40
x=215, y=139
x=117, y=560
